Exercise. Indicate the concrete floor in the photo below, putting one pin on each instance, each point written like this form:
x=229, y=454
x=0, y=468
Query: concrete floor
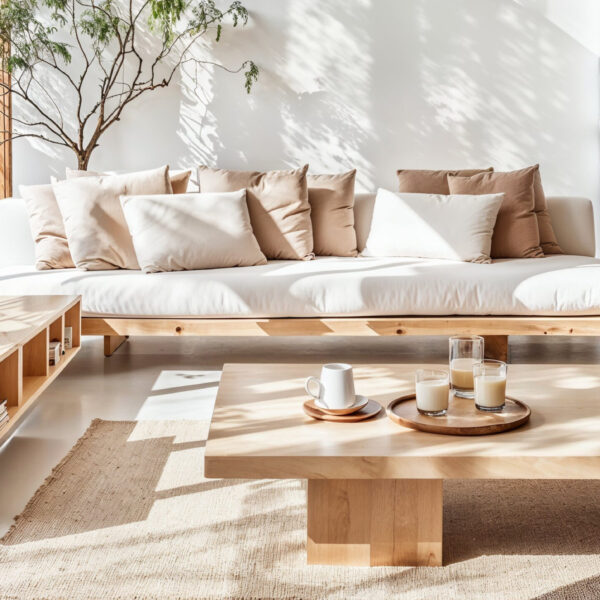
x=177, y=378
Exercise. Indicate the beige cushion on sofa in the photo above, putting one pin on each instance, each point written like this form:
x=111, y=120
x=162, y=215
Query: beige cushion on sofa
x=548, y=240
x=516, y=234
x=47, y=228
x=278, y=205
x=423, y=181
x=179, y=179
x=191, y=231
x=433, y=226
x=94, y=223
x=331, y=199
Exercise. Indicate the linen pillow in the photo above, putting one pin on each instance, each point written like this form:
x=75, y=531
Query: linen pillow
x=433, y=226
x=331, y=199
x=47, y=228
x=548, y=240
x=516, y=234
x=179, y=179
x=192, y=231
x=423, y=181
x=96, y=228
x=278, y=206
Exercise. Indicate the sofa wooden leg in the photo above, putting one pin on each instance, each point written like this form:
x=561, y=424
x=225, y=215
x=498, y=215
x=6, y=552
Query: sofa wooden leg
x=496, y=346
x=113, y=342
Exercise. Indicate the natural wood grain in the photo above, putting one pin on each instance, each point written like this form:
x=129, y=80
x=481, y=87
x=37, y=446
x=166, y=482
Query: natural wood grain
x=35, y=355
x=112, y=343
x=73, y=320
x=496, y=347
x=11, y=382
x=499, y=327
x=5, y=133
x=374, y=522
x=367, y=412
x=57, y=330
x=259, y=429
x=26, y=324
x=462, y=417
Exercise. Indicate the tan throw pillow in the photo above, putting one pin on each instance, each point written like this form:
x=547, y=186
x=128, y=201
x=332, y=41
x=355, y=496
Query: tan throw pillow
x=94, y=222
x=47, y=228
x=422, y=181
x=433, y=226
x=548, y=240
x=516, y=233
x=278, y=205
x=192, y=231
x=331, y=199
x=179, y=179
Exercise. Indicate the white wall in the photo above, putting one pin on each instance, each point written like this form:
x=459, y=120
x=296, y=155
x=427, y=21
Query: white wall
x=379, y=85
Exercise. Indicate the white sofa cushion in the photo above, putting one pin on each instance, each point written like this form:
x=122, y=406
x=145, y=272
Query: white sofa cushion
x=331, y=286
x=433, y=226
x=191, y=231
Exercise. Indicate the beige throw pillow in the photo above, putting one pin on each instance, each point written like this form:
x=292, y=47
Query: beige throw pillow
x=94, y=222
x=433, y=226
x=516, y=234
x=423, y=181
x=192, y=231
x=179, y=179
x=278, y=205
x=47, y=228
x=331, y=199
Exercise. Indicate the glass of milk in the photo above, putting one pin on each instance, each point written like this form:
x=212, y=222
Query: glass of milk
x=490, y=385
x=432, y=387
x=465, y=352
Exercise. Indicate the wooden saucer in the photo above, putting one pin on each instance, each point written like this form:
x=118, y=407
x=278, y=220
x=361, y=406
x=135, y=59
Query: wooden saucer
x=368, y=411
x=462, y=417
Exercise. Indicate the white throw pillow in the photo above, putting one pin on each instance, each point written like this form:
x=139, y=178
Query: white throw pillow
x=192, y=231
x=96, y=229
x=433, y=226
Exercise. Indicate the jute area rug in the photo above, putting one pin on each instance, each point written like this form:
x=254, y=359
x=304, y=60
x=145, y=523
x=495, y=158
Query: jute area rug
x=128, y=514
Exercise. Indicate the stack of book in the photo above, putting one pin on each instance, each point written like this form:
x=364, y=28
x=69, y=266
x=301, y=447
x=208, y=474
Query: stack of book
x=3, y=413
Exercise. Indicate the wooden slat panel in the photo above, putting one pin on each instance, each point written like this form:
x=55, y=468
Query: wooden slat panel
x=5, y=136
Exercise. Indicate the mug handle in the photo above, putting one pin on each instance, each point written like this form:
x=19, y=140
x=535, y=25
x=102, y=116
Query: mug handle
x=307, y=384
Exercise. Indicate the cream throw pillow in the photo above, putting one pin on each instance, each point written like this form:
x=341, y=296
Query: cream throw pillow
x=433, y=226
x=278, y=205
x=94, y=223
x=192, y=231
x=47, y=228
x=179, y=179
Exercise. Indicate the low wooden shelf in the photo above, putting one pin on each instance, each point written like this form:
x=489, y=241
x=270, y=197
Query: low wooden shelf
x=27, y=324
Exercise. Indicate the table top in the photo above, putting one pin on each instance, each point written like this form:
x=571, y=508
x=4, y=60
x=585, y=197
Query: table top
x=22, y=317
x=259, y=429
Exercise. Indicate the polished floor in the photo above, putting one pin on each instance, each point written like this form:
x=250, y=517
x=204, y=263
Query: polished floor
x=177, y=378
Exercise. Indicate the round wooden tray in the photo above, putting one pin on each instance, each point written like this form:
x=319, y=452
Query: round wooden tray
x=462, y=417
x=368, y=411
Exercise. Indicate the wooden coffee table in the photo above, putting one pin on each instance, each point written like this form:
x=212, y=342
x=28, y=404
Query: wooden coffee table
x=374, y=487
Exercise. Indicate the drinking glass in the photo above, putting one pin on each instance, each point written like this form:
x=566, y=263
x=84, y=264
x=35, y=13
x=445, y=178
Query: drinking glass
x=432, y=387
x=490, y=385
x=465, y=351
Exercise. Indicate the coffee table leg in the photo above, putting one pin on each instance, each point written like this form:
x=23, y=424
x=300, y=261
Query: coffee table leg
x=373, y=522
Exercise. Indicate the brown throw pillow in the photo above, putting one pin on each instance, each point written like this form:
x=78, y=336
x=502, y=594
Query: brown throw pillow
x=420, y=181
x=516, y=233
x=331, y=200
x=278, y=205
x=179, y=179
x=548, y=240
x=47, y=228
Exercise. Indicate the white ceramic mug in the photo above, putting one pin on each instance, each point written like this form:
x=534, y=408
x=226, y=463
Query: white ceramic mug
x=336, y=386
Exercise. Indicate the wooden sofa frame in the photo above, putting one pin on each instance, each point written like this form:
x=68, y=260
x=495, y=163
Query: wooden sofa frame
x=495, y=329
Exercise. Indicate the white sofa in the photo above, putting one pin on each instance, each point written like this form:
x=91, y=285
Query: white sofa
x=332, y=296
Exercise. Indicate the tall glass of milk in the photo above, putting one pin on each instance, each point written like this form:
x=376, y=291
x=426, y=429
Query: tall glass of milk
x=490, y=385
x=465, y=352
x=433, y=388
